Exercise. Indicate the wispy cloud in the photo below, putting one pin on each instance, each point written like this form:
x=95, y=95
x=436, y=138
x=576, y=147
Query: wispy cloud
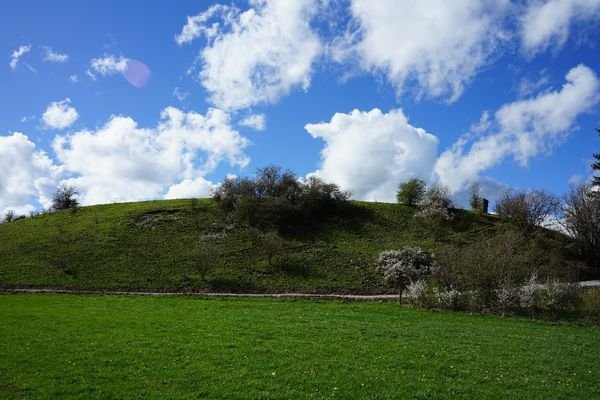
x=17, y=54
x=52, y=56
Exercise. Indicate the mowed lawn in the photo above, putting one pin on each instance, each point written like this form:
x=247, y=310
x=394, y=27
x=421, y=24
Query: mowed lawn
x=88, y=346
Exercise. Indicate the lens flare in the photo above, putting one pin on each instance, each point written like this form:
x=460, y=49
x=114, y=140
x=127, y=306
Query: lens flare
x=137, y=73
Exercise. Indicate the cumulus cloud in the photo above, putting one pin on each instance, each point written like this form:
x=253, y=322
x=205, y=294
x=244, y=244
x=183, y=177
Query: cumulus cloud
x=370, y=153
x=187, y=188
x=123, y=162
x=109, y=65
x=52, y=56
x=255, y=121
x=60, y=114
x=27, y=175
x=17, y=54
x=548, y=23
x=255, y=56
x=521, y=130
x=438, y=45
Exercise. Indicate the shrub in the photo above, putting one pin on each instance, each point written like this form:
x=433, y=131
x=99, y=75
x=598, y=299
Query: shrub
x=411, y=192
x=557, y=298
x=399, y=268
x=276, y=198
x=421, y=294
x=486, y=269
x=64, y=198
x=590, y=305
x=528, y=209
x=435, y=208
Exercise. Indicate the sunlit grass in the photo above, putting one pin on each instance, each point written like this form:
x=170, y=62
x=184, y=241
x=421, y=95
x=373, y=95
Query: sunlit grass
x=65, y=346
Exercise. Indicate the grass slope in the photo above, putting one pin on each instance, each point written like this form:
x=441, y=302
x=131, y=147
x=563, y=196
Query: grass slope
x=72, y=347
x=148, y=245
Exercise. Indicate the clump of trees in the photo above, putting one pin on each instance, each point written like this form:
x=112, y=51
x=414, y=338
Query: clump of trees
x=275, y=199
x=528, y=209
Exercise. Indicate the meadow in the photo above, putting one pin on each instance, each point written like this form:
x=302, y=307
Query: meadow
x=92, y=346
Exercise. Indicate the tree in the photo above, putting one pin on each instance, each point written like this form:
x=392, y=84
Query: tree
x=596, y=167
x=435, y=208
x=402, y=267
x=203, y=258
x=582, y=220
x=270, y=244
x=475, y=199
x=64, y=198
x=9, y=215
x=411, y=192
x=529, y=209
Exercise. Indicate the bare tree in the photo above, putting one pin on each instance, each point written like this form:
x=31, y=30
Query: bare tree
x=9, y=215
x=582, y=220
x=475, y=199
x=528, y=209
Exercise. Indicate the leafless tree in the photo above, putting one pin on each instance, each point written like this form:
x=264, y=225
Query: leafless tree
x=529, y=209
x=582, y=220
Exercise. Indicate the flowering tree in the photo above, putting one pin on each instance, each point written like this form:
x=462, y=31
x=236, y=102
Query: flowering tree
x=401, y=267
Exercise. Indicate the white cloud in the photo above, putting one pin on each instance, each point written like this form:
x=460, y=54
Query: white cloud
x=370, y=153
x=438, y=45
x=180, y=94
x=73, y=78
x=522, y=129
x=255, y=121
x=109, y=65
x=60, y=114
x=548, y=23
x=17, y=54
x=198, y=25
x=123, y=162
x=53, y=56
x=255, y=56
x=26, y=175
x=187, y=188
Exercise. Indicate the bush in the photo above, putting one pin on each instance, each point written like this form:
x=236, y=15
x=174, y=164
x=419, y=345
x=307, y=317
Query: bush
x=64, y=198
x=399, y=268
x=557, y=298
x=590, y=305
x=275, y=199
x=528, y=209
x=411, y=192
x=487, y=270
x=435, y=208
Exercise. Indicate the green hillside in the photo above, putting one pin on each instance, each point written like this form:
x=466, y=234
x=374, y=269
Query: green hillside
x=150, y=245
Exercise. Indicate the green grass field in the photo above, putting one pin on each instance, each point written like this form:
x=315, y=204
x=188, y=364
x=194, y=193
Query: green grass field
x=115, y=347
x=150, y=245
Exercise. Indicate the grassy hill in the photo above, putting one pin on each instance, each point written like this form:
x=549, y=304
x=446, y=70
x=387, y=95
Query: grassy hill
x=150, y=245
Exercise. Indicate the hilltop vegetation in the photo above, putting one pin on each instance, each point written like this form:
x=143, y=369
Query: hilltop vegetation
x=153, y=246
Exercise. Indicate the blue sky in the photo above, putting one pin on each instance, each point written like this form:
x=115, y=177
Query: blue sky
x=147, y=100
